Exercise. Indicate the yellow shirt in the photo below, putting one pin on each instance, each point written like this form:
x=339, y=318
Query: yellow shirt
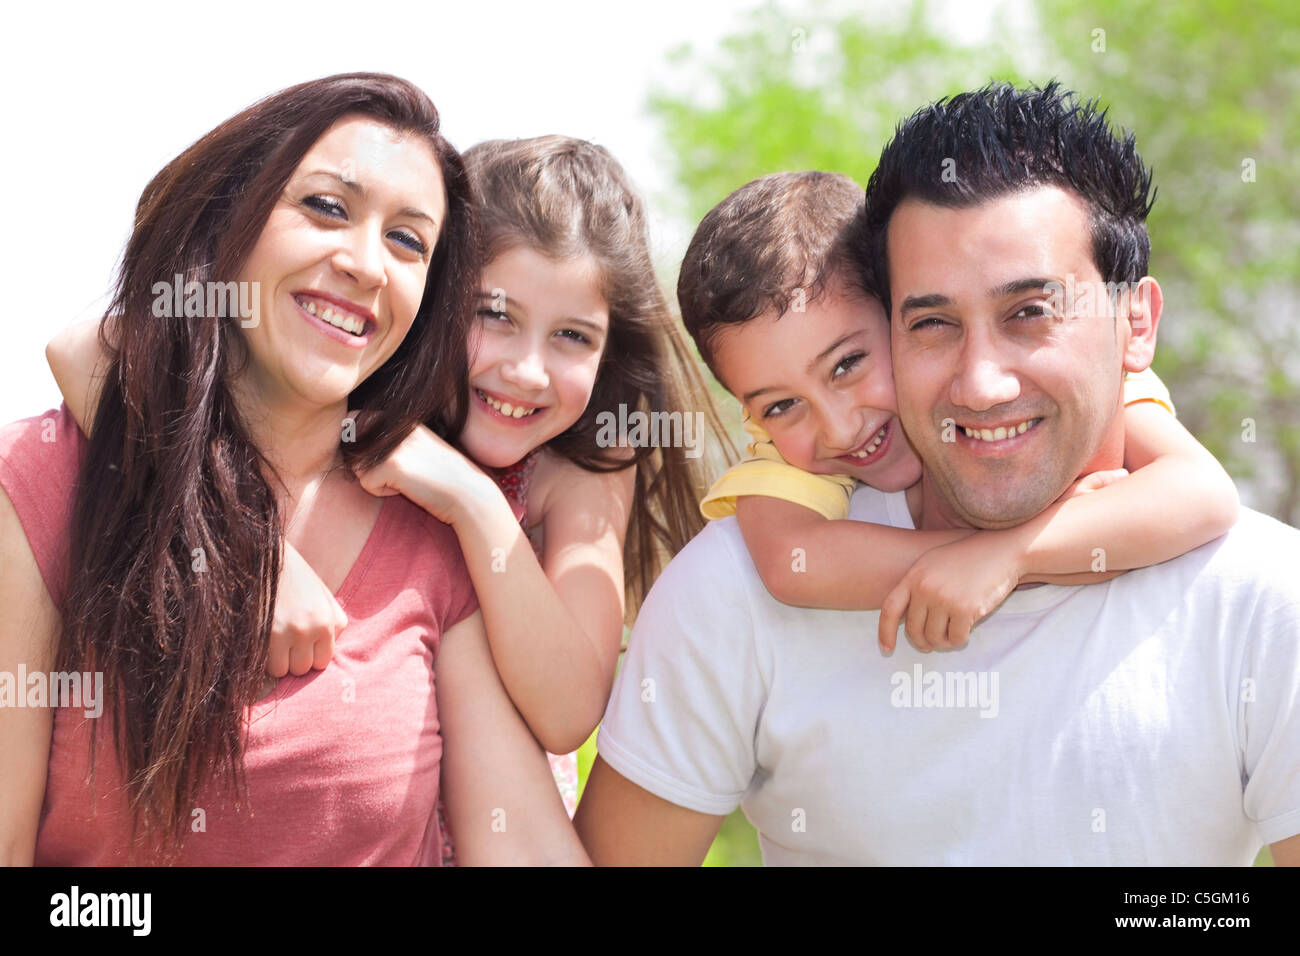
x=765, y=472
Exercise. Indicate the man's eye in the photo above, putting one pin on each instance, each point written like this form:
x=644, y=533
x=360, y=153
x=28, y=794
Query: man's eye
x=777, y=409
x=325, y=205
x=848, y=364
x=929, y=322
x=1030, y=312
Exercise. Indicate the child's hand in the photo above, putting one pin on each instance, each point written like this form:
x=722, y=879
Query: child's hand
x=306, y=620
x=430, y=472
x=949, y=590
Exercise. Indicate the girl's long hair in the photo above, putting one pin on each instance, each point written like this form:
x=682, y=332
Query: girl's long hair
x=176, y=534
x=564, y=198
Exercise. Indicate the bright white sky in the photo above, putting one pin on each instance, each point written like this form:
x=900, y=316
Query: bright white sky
x=99, y=99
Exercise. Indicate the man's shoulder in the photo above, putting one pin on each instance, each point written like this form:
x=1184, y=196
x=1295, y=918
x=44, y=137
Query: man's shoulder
x=1258, y=548
x=1252, y=566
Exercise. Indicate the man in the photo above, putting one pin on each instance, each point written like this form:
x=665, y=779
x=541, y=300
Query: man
x=1154, y=719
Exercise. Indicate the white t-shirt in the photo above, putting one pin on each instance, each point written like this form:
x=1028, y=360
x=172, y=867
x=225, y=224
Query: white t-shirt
x=1154, y=719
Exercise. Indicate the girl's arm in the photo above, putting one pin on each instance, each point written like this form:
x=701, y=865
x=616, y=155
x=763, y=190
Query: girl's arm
x=29, y=631
x=502, y=805
x=555, y=627
x=307, y=619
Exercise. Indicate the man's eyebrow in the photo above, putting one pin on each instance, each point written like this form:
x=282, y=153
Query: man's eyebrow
x=1017, y=286
x=360, y=191
x=914, y=303
x=821, y=357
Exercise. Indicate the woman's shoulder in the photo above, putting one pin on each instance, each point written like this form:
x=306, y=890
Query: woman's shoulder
x=39, y=460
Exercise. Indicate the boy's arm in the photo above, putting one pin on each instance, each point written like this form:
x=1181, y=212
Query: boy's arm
x=1177, y=497
x=806, y=560
x=79, y=363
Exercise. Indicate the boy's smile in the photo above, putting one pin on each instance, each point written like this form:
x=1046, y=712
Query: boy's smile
x=819, y=383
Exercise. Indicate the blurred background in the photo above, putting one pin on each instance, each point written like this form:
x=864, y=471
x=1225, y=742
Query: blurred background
x=697, y=99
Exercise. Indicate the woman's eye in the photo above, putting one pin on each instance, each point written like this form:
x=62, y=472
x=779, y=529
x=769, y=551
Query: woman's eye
x=325, y=205
x=777, y=409
x=848, y=363
x=410, y=240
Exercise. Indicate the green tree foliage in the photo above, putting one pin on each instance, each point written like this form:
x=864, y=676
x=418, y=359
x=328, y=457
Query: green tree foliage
x=1207, y=85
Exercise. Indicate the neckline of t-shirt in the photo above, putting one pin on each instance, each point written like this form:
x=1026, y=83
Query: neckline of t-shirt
x=1031, y=600
x=358, y=570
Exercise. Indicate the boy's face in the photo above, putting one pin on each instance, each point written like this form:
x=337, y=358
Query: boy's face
x=820, y=383
x=1006, y=399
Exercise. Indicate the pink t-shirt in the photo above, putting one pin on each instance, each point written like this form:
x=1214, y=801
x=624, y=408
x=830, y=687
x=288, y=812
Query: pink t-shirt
x=341, y=765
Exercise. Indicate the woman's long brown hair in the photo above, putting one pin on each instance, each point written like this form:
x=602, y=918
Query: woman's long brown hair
x=181, y=634
x=567, y=197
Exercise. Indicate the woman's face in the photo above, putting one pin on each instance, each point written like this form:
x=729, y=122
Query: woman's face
x=341, y=263
x=541, y=329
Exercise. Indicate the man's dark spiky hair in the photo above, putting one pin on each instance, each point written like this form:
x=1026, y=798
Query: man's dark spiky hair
x=981, y=145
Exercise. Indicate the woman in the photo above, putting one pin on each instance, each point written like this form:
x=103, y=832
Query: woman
x=343, y=212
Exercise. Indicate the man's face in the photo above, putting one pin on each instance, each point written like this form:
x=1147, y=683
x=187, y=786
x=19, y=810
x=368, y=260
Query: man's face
x=1006, y=399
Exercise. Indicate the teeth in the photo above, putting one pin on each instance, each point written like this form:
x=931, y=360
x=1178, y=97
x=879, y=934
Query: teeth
x=335, y=317
x=505, y=408
x=875, y=443
x=999, y=433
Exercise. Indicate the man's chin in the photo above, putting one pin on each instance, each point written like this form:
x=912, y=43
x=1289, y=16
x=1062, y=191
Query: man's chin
x=1006, y=508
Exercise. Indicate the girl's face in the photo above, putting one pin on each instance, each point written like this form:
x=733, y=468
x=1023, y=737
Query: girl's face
x=341, y=263
x=541, y=331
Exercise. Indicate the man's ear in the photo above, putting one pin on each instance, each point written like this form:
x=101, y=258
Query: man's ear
x=1145, y=303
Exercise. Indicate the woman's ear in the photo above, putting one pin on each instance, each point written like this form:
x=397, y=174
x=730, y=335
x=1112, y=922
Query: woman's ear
x=1144, y=304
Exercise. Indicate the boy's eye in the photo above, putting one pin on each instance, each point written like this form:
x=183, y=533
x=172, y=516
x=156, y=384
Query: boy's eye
x=848, y=364
x=778, y=408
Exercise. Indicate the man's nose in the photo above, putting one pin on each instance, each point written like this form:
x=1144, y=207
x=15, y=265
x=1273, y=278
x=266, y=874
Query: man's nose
x=983, y=379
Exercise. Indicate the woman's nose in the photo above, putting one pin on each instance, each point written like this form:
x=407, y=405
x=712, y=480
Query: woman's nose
x=361, y=256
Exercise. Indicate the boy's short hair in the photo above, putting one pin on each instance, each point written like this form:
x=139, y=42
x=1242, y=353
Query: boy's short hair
x=775, y=243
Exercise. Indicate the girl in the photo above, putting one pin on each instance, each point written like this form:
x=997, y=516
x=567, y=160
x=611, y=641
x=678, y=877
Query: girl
x=338, y=202
x=562, y=530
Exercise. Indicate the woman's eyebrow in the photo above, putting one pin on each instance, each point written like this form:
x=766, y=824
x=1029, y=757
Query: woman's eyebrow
x=359, y=190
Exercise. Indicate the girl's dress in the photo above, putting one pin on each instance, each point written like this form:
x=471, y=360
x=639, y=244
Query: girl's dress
x=514, y=482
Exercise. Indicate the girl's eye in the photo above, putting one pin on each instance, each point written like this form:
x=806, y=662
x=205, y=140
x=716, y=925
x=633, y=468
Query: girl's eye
x=573, y=335
x=410, y=240
x=493, y=315
x=776, y=409
x=848, y=364
x=325, y=205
